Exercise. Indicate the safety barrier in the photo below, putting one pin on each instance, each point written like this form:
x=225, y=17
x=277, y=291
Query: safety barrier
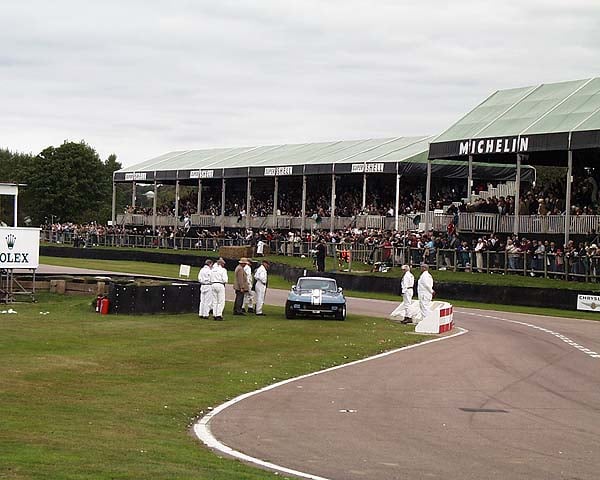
x=439, y=320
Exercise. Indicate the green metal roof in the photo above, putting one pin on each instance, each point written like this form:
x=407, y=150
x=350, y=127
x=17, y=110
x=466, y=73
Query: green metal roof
x=554, y=110
x=340, y=152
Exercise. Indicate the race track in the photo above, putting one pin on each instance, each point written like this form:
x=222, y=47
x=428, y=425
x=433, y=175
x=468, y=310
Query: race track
x=506, y=400
x=516, y=397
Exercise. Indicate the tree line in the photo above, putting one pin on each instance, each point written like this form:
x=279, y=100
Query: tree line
x=69, y=183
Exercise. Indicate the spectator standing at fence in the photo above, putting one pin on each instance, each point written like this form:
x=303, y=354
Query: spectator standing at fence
x=206, y=297
x=479, y=248
x=240, y=286
x=425, y=291
x=407, y=286
x=260, y=285
x=512, y=252
x=218, y=279
x=260, y=248
x=248, y=305
x=321, y=254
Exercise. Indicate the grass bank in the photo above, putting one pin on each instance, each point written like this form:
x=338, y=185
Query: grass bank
x=85, y=396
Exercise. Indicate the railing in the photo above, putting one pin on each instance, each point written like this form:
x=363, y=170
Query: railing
x=566, y=267
x=467, y=222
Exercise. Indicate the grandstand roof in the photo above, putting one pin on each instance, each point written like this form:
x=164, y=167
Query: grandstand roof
x=310, y=158
x=388, y=155
x=546, y=117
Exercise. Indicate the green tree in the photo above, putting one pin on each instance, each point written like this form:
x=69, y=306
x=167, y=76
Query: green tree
x=71, y=183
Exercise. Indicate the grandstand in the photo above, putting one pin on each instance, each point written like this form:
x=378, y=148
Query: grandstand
x=374, y=167
x=547, y=124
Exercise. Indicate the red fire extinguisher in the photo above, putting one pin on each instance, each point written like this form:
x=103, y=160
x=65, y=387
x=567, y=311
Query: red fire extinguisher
x=104, y=304
x=98, y=301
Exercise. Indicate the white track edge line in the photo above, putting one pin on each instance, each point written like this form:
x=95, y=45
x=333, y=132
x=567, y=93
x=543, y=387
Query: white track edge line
x=204, y=434
x=558, y=335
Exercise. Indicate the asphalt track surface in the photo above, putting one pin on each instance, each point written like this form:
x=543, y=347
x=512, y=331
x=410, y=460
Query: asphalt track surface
x=515, y=397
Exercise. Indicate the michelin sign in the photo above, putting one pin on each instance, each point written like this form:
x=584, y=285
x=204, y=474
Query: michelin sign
x=19, y=248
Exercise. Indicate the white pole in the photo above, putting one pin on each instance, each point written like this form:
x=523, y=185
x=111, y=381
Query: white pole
x=16, y=207
x=470, y=180
x=223, y=184
x=199, y=203
x=517, y=195
x=568, y=195
x=427, y=195
x=303, y=222
x=397, y=205
x=364, y=192
x=332, y=219
x=114, y=204
x=248, y=201
x=154, y=205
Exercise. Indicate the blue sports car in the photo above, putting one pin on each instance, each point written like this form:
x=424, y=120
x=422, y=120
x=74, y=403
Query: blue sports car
x=316, y=296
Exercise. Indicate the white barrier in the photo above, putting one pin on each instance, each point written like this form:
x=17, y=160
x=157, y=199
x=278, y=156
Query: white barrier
x=440, y=319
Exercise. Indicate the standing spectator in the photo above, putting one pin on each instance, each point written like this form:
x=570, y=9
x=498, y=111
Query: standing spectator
x=260, y=248
x=407, y=286
x=248, y=305
x=425, y=290
x=513, y=252
x=321, y=254
x=261, y=278
x=204, y=277
x=537, y=262
x=240, y=285
x=479, y=248
x=219, y=279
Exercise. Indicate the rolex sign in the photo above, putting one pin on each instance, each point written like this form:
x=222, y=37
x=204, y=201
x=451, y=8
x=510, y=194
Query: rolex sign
x=19, y=248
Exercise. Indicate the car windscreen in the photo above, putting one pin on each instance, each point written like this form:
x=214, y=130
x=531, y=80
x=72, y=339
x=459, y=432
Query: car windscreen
x=311, y=284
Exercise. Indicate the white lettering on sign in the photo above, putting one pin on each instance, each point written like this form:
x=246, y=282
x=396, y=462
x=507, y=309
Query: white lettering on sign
x=19, y=247
x=278, y=171
x=493, y=145
x=202, y=174
x=367, y=168
x=135, y=176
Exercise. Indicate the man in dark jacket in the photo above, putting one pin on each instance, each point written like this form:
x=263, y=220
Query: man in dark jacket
x=321, y=253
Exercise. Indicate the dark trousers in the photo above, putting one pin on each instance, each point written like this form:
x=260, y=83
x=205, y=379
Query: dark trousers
x=320, y=264
x=239, y=301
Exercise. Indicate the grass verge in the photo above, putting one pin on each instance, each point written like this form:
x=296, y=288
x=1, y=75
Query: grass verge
x=112, y=397
x=275, y=281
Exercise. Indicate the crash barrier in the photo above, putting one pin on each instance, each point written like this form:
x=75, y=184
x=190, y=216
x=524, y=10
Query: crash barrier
x=172, y=297
x=439, y=320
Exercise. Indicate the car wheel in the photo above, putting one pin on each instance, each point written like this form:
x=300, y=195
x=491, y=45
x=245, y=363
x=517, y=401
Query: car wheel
x=341, y=313
x=289, y=311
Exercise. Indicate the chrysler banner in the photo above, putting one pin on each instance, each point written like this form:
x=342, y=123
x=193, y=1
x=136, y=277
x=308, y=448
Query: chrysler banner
x=19, y=247
x=588, y=302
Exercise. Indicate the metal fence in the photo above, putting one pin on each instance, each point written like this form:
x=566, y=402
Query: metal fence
x=364, y=257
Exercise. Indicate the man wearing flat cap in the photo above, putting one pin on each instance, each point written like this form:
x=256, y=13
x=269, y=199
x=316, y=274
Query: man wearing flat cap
x=240, y=285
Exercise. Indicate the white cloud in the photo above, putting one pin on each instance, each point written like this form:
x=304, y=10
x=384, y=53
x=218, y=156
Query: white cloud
x=143, y=78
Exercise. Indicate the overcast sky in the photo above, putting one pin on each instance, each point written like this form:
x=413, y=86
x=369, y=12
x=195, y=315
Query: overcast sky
x=141, y=78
